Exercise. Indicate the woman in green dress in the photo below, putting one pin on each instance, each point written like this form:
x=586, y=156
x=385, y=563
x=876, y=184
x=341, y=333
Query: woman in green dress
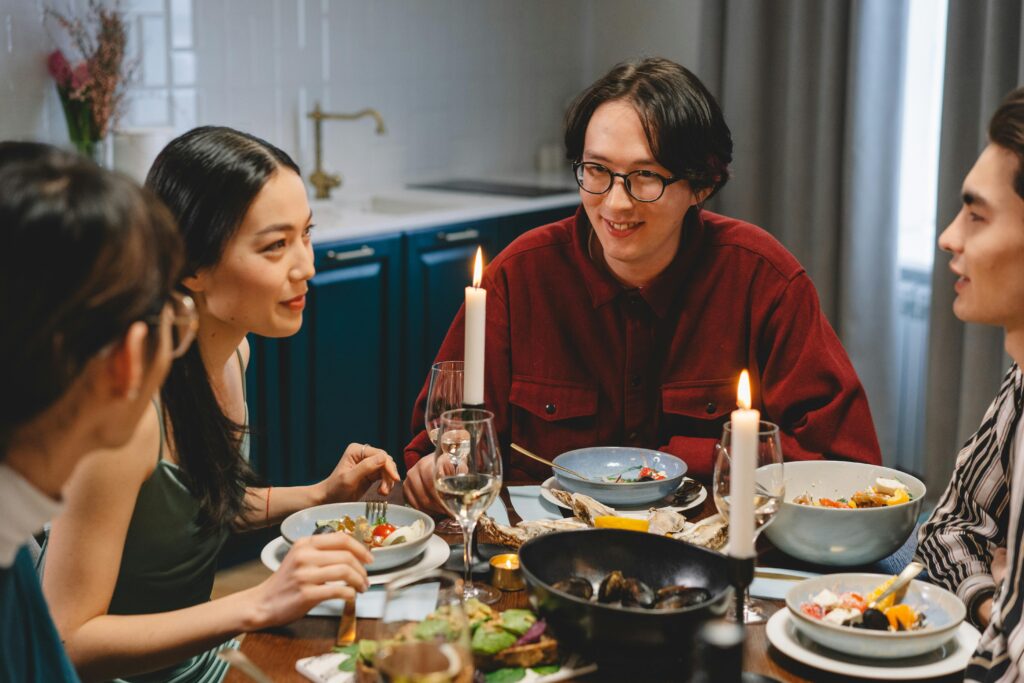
x=130, y=565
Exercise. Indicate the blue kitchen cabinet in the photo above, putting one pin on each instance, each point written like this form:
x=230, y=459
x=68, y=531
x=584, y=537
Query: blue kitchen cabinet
x=340, y=372
x=264, y=398
x=439, y=266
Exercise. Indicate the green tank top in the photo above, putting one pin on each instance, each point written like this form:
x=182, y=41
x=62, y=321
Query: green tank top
x=168, y=563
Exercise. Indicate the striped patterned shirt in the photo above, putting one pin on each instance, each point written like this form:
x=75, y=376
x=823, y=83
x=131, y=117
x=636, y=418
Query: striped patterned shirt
x=974, y=517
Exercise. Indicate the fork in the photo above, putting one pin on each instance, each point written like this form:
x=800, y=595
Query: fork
x=376, y=510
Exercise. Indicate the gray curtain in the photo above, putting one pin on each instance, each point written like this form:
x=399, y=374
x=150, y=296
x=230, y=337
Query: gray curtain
x=811, y=90
x=984, y=61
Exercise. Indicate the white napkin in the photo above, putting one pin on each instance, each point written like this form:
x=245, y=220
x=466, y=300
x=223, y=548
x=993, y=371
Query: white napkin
x=528, y=502
x=776, y=589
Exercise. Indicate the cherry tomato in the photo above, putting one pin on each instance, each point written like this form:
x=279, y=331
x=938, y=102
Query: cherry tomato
x=382, y=531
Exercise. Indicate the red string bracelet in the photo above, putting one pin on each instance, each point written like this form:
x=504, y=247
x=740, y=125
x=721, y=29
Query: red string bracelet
x=266, y=517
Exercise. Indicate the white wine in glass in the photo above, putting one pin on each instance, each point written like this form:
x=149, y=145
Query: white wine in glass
x=467, y=478
x=769, y=487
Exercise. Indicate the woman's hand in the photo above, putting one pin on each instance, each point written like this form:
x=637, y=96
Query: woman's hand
x=359, y=467
x=419, y=490
x=301, y=582
x=997, y=567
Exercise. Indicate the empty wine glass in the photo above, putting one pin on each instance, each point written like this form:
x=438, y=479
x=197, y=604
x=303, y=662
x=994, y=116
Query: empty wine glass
x=769, y=487
x=444, y=393
x=445, y=657
x=467, y=477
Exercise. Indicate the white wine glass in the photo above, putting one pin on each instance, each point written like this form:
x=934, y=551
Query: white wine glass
x=769, y=488
x=467, y=478
x=444, y=393
x=430, y=601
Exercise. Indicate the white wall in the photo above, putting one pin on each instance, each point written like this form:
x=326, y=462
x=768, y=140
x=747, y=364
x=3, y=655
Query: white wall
x=29, y=107
x=463, y=85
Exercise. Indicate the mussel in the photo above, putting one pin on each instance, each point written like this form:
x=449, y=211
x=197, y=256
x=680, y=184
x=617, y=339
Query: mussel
x=575, y=585
x=324, y=529
x=612, y=587
x=679, y=597
x=636, y=593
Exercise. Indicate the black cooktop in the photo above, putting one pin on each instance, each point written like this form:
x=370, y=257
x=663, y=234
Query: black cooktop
x=491, y=187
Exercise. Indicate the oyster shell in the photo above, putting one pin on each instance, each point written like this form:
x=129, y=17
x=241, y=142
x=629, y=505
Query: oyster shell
x=516, y=536
x=711, y=533
x=665, y=522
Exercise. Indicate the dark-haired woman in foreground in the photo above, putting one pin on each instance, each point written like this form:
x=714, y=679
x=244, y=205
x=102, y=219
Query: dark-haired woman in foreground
x=130, y=578
x=86, y=279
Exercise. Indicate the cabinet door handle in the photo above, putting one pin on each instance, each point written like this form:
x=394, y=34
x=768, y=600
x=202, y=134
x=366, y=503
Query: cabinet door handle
x=460, y=236
x=344, y=256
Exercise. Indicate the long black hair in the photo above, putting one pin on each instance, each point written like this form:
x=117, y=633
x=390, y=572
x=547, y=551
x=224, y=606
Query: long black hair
x=682, y=121
x=86, y=253
x=208, y=178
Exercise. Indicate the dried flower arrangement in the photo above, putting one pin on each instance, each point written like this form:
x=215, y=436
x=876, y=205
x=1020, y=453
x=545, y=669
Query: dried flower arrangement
x=92, y=88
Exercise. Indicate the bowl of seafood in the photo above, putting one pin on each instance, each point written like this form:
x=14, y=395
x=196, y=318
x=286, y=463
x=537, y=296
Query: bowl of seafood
x=834, y=611
x=619, y=475
x=399, y=536
x=845, y=514
x=621, y=597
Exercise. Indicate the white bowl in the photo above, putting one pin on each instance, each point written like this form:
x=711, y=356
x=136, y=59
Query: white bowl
x=303, y=523
x=944, y=612
x=841, y=537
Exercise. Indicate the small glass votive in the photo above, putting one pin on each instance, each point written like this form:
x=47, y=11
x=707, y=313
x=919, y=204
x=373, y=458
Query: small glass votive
x=505, y=574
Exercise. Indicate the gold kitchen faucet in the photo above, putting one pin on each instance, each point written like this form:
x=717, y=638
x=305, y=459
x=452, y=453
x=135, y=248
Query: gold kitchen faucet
x=323, y=181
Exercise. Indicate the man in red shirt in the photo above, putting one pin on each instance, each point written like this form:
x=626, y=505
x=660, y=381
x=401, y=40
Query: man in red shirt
x=629, y=323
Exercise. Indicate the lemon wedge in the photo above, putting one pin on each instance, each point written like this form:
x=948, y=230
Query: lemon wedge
x=627, y=523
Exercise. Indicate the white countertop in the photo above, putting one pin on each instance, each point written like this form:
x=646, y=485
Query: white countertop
x=352, y=215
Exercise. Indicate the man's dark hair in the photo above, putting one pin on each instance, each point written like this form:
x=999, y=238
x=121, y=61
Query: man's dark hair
x=1007, y=130
x=683, y=122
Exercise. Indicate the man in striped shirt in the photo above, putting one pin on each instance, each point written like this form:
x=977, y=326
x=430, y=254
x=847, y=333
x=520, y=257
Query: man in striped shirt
x=972, y=543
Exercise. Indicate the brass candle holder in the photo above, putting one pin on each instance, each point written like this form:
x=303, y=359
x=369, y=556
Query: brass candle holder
x=505, y=574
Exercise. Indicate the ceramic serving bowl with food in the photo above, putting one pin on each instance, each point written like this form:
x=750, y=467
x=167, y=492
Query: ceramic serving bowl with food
x=304, y=523
x=611, y=472
x=622, y=633
x=943, y=612
x=842, y=537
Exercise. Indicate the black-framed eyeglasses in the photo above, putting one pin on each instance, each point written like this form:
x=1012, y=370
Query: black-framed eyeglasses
x=184, y=323
x=641, y=185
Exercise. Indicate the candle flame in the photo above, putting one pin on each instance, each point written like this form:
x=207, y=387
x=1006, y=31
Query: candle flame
x=743, y=391
x=478, y=267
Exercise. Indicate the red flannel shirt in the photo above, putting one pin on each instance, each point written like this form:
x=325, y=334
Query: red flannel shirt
x=576, y=359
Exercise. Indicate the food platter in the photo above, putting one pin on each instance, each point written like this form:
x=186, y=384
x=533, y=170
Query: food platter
x=951, y=658
x=552, y=483
x=435, y=555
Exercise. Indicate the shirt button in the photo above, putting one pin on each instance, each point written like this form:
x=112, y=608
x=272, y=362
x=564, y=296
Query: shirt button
x=710, y=408
x=550, y=409
x=634, y=381
x=632, y=436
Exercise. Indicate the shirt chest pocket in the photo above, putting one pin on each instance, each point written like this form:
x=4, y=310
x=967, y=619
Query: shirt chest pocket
x=697, y=407
x=552, y=417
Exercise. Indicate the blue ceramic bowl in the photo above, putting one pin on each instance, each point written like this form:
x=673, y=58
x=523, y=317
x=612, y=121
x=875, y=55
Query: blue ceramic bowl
x=303, y=523
x=841, y=537
x=943, y=610
x=602, y=464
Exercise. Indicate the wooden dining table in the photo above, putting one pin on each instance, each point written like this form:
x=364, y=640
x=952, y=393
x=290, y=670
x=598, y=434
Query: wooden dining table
x=276, y=650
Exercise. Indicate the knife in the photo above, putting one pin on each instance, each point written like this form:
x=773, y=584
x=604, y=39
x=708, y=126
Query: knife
x=347, y=625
